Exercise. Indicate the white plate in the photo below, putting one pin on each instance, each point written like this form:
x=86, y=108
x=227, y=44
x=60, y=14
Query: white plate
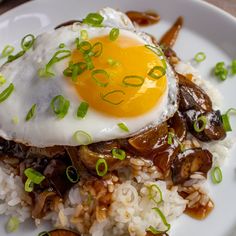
x=206, y=29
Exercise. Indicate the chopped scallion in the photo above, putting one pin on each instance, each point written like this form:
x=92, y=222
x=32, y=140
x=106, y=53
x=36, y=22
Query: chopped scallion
x=29, y=185
x=123, y=127
x=74, y=70
x=153, y=192
x=200, y=124
x=114, y=34
x=27, y=42
x=112, y=62
x=233, y=67
x=94, y=19
x=200, y=57
x=12, y=224
x=170, y=137
x=35, y=176
x=163, y=218
x=6, y=93
x=72, y=174
x=216, y=175
x=7, y=51
x=133, y=81
x=108, y=97
x=97, y=49
x=118, y=154
x=12, y=58
x=84, y=34
x=62, y=45
x=157, y=72
x=31, y=112
x=60, y=106
x=82, y=109
x=82, y=137
x=85, y=47
x=101, y=77
x=2, y=80
x=226, y=121
x=101, y=164
x=221, y=71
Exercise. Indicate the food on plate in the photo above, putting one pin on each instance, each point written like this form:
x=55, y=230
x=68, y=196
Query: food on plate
x=105, y=131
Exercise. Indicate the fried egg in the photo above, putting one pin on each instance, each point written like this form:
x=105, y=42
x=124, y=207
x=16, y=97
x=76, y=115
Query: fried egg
x=119, y=88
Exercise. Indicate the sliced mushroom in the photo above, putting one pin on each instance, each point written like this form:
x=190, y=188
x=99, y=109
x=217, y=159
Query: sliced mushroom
x=90, y=158
x=143, y=18
x=49, y=152
x=178, y=124
x=189, y=162
x=63, y=232
x=55, y=173
x=169, y=38
x=192, y=96
x=41, y=204
x=214, y=129
x=150, y=140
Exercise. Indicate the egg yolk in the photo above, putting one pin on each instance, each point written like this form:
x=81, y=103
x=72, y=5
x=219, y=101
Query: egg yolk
x=119, y=84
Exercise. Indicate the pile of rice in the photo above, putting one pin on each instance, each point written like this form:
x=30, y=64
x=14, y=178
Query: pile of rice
x=131, y=211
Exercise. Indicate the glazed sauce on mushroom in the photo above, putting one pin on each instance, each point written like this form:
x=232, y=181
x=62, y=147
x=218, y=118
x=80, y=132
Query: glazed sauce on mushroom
x=143, y=18
x=170, y=37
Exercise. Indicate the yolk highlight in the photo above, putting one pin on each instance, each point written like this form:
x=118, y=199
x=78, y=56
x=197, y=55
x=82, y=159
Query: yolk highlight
x=121, y=58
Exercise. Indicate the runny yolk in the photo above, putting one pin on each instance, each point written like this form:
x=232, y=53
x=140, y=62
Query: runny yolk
x=113, y=95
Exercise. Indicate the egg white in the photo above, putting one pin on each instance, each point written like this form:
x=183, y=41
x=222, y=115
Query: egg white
x=45, y=129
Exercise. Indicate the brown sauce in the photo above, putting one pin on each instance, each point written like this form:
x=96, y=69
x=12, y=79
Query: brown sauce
x=143, y=18
x=170, y=37
x=70, y=22
x=200, y=212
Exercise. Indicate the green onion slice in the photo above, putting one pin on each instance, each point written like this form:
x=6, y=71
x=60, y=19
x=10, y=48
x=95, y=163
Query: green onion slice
x=200, y=57
x=89, y=62
x=27, y=42
x=170, y=137
x=118, y=154
x=12, y=224
x=58, y=56
x=93, y=19
x=225, y=119
x=7, y=51
x=29, y=185
x=82, y=137
x=153, y=192
x=35, y=176
x=2, y=80
x=200, y=124
x=112, y=62
x=123, y=127
x=31, y=112
x=133, y=81
x=109, y=98
x=221, y=71
x=157, y=72
x=6, y=93
x=85, y=47
x=44, y=233
x=82, y=109
x=84, y=34
x=62, y=45
x=163, y=218
x=154, y=49
x=114, y=34
x=97, y=49
x=74, y=70
x=101, y=77
x=216, y=175
x=72, y=174
x=233, y=67
x=101, y=164
x=60, y=106
x=12, y=58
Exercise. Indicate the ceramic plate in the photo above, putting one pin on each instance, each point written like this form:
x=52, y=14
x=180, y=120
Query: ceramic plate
x=206, y=29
